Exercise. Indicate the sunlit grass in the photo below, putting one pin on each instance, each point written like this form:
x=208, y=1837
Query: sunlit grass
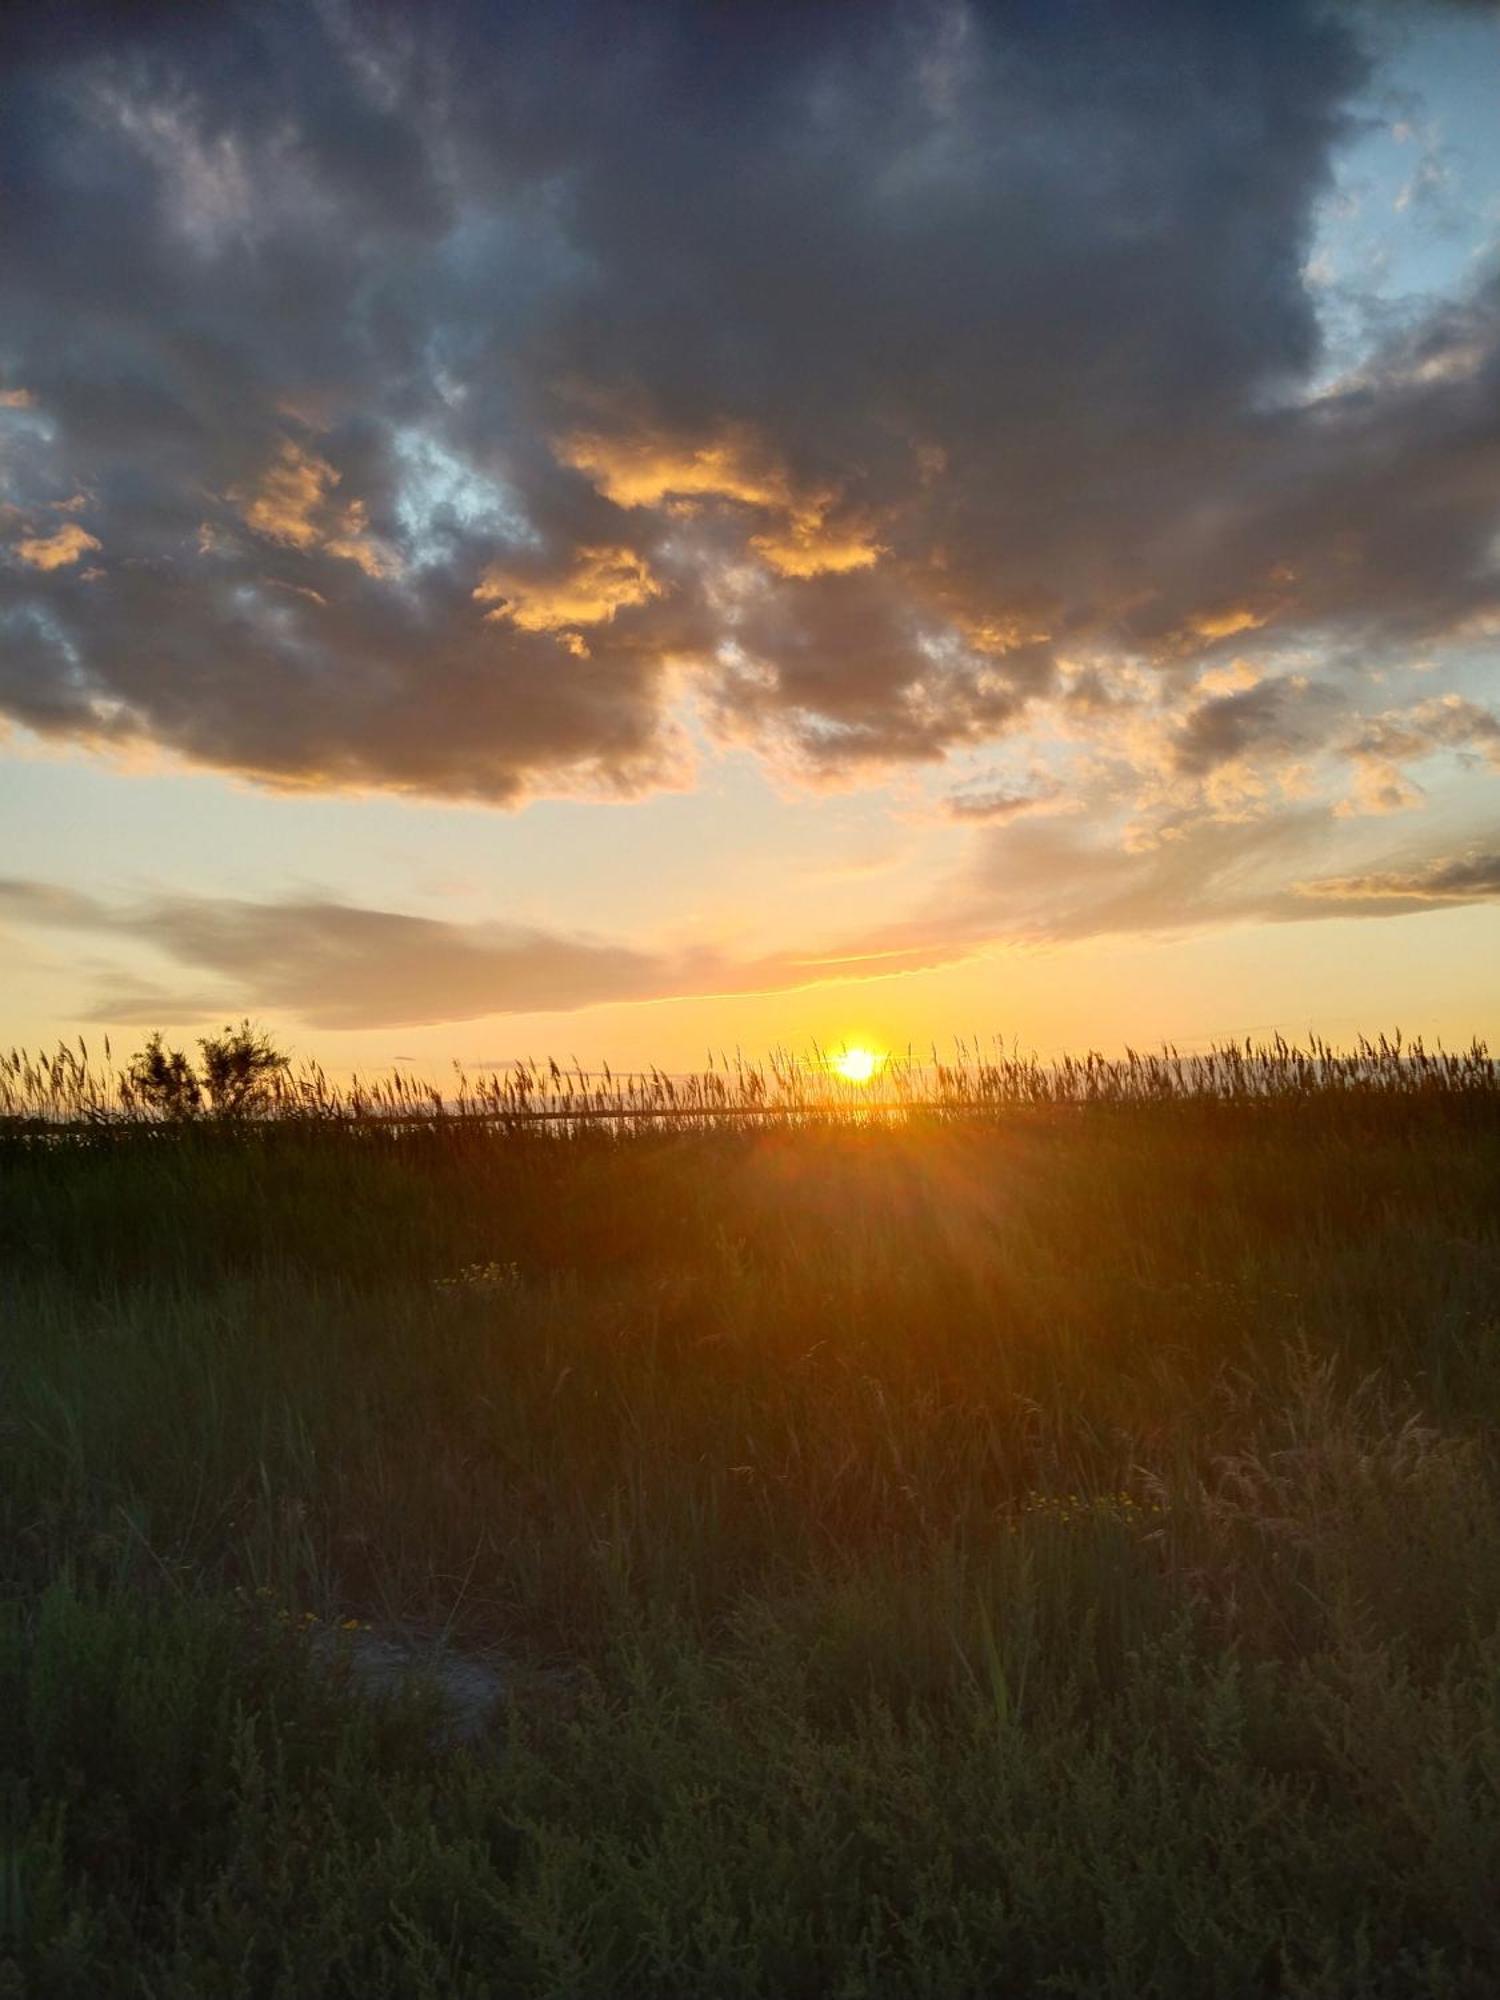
x=76, y=1085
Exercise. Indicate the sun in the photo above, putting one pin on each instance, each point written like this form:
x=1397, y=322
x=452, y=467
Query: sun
x=856, y=1064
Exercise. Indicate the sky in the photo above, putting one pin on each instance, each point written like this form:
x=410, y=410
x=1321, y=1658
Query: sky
x=633, y=532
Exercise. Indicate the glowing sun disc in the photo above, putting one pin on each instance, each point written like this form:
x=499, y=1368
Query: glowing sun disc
x=856, y=1065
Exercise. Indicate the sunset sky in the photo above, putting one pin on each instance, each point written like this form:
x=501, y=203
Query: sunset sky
x=626, y=530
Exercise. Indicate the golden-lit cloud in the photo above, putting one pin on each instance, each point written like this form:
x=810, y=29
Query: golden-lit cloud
x=808, y=546
x=293, y=504
x=1378, y=788
x=1383, y=743
x=17, y=399
x=59, y=550
x=643, y=470
x=1232, y=677
x=1224, y=624
x=600, y=582
x=355, y=544
x=1002, y=632
x=289, y=494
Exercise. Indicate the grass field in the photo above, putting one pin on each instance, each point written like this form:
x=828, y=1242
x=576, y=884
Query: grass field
x=1047, y=1546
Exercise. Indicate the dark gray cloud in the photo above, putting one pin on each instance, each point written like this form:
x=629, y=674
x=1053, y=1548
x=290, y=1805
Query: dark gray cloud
x=1275, y=719
x=406, y=397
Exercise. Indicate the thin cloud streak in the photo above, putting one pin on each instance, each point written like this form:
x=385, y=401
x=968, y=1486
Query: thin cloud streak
x=333, y=965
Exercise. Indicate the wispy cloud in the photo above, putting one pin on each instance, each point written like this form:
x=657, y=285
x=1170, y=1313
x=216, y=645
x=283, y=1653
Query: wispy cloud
x=990, y=803
x=1467, y=878
x=334, y=965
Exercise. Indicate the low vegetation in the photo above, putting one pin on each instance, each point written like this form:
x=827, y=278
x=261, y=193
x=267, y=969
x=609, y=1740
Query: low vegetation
x=1040, y=1543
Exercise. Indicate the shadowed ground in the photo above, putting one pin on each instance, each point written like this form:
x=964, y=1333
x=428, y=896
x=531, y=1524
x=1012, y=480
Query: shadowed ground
x=1048, y=1553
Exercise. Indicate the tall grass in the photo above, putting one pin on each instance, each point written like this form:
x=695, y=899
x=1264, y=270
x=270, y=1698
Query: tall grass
x=1051, y=1549
x=70, y=1085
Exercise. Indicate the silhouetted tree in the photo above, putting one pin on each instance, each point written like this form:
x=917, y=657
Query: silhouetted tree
x=163, y=1079
x=236, y=1075
x=240, y=1067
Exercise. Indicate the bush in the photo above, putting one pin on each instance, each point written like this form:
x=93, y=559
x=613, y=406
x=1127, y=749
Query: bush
x=239, y=1072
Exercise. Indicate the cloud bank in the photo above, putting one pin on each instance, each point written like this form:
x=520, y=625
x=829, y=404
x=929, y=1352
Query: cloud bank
x=452, y=400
